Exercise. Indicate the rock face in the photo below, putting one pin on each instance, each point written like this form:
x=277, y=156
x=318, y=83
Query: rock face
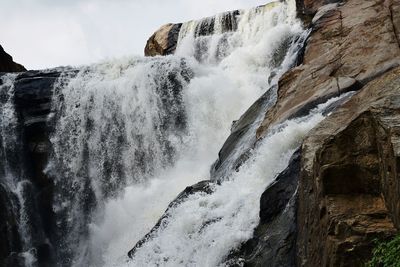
x=310, y=7
x=350, y=44
x=9, y=238
x=236, y=147
x=274, y=238
x=203, y=186
x=163, y=41
x=349, y=189
x=33, y=92
x=7, y=64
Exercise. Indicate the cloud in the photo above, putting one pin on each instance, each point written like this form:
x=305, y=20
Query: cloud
x=48, y=33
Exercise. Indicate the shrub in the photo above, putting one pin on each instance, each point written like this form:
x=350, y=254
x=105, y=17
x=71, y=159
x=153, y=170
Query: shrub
x=386, y=254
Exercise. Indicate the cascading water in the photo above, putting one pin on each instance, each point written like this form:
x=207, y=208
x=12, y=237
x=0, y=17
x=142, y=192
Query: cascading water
x=21, y=223
x=230, y=73
x=116, y=124
x=204, y=228
x=129, y=135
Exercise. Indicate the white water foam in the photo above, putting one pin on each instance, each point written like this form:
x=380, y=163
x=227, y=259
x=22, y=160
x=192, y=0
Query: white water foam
x=205, y=228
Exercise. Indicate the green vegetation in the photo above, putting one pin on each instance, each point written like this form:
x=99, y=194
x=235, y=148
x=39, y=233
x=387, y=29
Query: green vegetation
x=386, y=254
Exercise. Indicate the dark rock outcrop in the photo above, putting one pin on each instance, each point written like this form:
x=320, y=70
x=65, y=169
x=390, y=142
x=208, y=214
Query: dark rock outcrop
x=7, y=64
x=203, y=186
x=33, y=91
x=273, y=243
x=9, y=238
x=237, y=146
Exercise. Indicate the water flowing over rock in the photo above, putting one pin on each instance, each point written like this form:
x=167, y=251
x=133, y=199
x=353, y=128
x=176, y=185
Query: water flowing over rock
x=165, y=40
x=273, y=243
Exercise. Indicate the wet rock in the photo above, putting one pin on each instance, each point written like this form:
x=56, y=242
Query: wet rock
x=203, y=186
x=9, y=237
x=351, y=44
x=274, y=240
x=235, y=149
x=349, y=185
x=33, y=94
x=7, y=64
x=33, y=91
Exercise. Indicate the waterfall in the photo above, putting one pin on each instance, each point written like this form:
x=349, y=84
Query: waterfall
x=204, y=228
x=128, y=135
x=21, y=223
x=232, y=71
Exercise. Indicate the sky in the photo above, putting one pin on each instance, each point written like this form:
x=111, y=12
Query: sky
x=49, y=33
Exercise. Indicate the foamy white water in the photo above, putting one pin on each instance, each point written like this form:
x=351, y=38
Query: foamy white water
x=205, y=228
x=131, y=134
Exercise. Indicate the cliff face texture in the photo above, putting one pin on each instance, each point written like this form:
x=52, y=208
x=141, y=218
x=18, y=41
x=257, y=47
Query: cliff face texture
x=349, y=187
x=7, y=64
x=351, y=43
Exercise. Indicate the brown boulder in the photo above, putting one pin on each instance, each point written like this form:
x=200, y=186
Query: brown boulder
x=349, y=192
x=163, y=41
x=350, y=44
x=7, y=64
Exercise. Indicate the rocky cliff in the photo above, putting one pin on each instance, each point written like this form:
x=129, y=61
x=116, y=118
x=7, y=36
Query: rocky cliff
x=348, y=191
x=7, y=64
x=349, y=185
x=33, y=91
x=342, y=190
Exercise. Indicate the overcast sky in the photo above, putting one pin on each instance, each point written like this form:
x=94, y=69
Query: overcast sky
x=49, y=33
